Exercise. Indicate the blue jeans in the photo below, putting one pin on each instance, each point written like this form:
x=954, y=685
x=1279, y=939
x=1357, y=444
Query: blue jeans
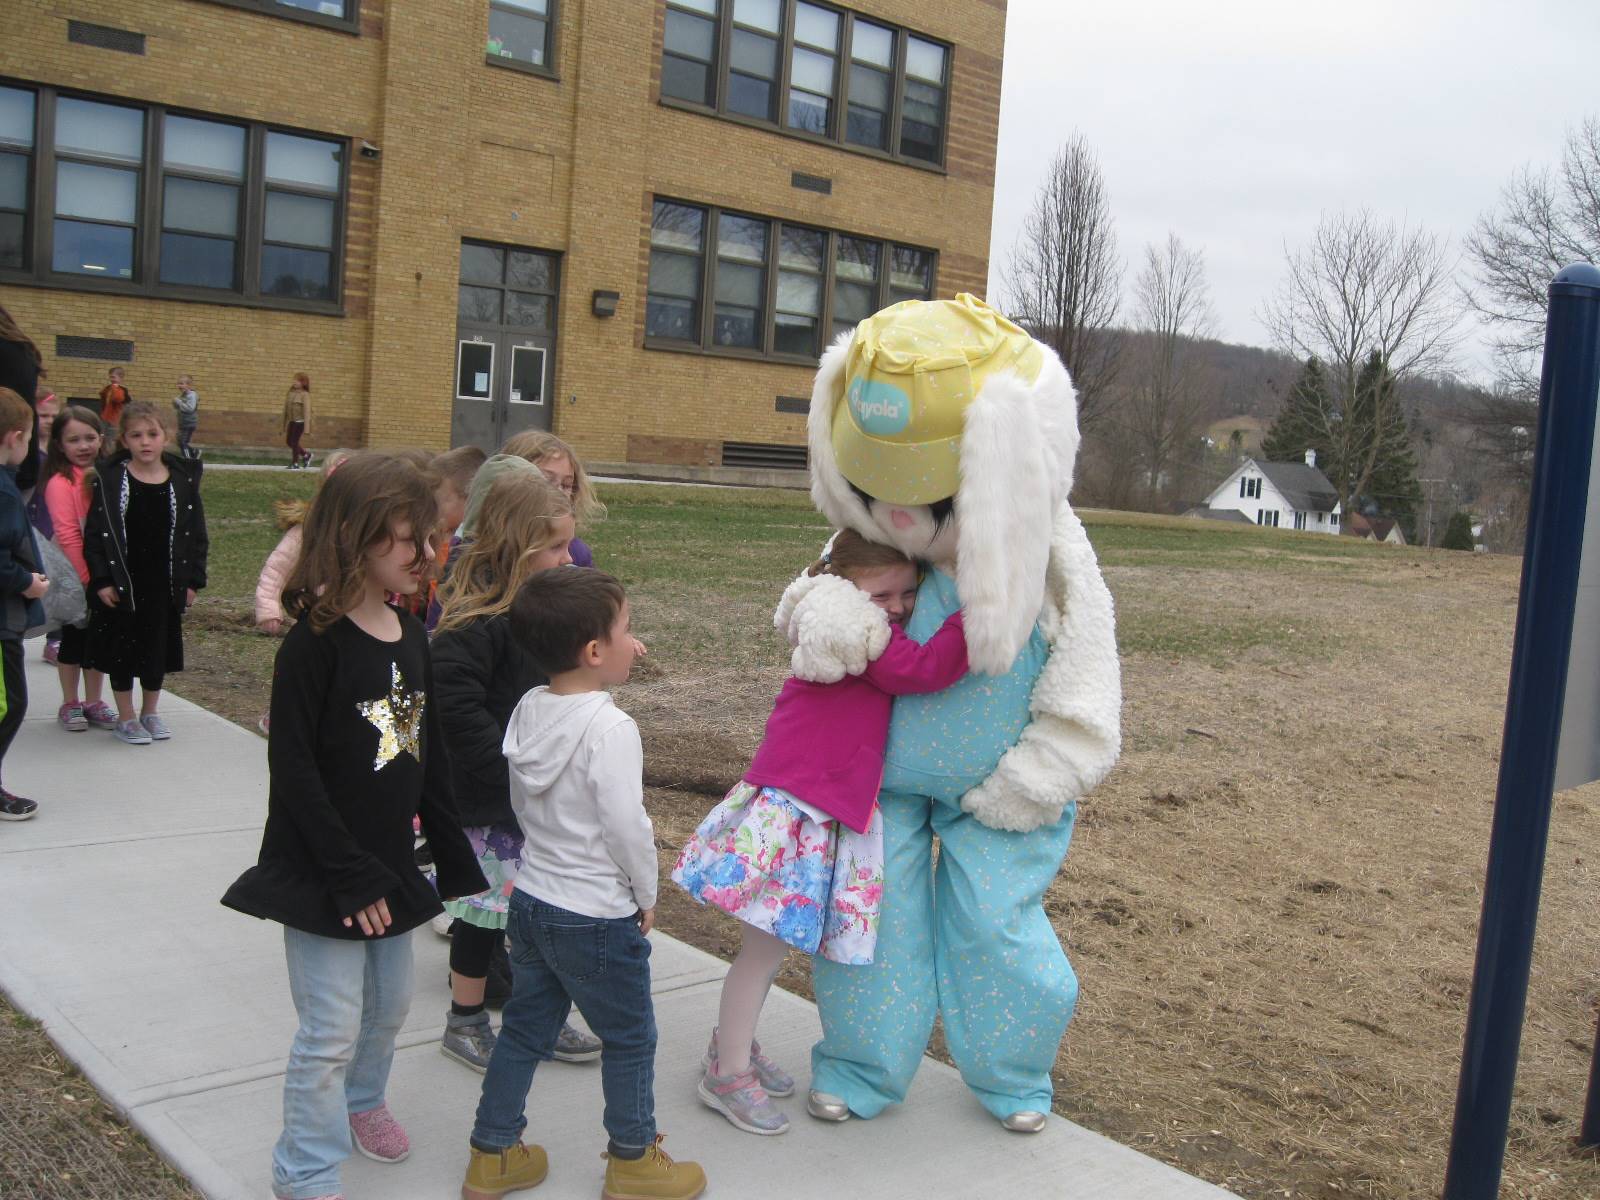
x=352, y=998
x=560, y=959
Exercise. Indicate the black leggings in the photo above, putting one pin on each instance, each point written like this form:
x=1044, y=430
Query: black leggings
x=150, y=683
x=16, y=686
x=471, y=948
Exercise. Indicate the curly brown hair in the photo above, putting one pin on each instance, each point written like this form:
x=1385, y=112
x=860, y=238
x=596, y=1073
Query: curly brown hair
x=355, y=511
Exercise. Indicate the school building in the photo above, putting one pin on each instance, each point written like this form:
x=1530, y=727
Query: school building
x=637, y=222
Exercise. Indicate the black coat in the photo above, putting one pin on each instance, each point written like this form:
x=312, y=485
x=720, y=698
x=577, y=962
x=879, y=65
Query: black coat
x=479, y=674
x=20, y=373
x=105, y=537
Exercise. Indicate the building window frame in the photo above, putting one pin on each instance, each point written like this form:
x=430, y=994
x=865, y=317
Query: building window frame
x=150, y=218
x=550, y=68
x=837, y=135
x=773, y=265
x=349, y=23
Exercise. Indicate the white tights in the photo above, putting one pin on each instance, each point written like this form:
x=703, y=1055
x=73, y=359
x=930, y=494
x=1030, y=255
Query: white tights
x=744, y=991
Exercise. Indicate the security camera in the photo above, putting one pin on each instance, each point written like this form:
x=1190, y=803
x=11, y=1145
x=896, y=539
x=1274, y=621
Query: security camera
x=368, y=150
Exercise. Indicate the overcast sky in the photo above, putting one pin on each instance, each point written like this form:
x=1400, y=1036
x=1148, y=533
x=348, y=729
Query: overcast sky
x=1235, y=123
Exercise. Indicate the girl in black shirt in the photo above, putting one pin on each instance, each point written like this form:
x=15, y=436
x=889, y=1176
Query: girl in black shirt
x=355, y=753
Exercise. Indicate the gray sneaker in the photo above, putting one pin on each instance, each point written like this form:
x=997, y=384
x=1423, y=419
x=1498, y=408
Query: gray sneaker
x=468, y=1040
x=745, y=1103
x=133, y=733
x=573, y=1046
x=155, y=727
x=776, y=1082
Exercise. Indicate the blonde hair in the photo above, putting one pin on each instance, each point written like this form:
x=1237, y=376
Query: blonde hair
x=293, y=512
x=540, y=445
x=516, y=521
x=848, y=554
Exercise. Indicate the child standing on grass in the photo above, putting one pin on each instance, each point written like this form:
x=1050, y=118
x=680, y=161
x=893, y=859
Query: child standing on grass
x=481, y=672
x=562, y=467
x=795, y=850
x=74, y=447
x=585, y=895
x=145, y=544
x=187, y=405
x=21, y=585
x=355, y=754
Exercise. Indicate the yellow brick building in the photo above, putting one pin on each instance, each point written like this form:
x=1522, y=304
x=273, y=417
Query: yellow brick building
x=637, y=222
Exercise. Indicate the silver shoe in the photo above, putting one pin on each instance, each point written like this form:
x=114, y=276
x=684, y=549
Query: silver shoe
x=777, y=1082
x=1026, y=1121
x=155, y=727
x=574, y=1046
x=826, y=1107
x=468, y=1040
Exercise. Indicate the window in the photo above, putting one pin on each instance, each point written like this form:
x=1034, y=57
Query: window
x=1333, y=519
x=203, y=184
x=147, y=200
x=1249, y=488
x=809, y=69
x=507, y=287
x=1299, y=520
x=1267, y=516
x=336, y=14
x=16, y=174
x=768, y=287
x=520, y=34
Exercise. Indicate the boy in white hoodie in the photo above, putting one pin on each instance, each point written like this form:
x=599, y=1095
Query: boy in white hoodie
x=585, y=895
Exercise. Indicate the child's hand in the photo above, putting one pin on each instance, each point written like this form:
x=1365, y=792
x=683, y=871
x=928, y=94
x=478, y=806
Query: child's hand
x=272, y=627
x=374, y=918
x=38, y=587
x=188, y=599
x=647, y=919
x=639, y=648
x=108, y=596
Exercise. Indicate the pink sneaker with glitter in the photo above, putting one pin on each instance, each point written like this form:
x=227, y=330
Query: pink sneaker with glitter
x=379, y=1136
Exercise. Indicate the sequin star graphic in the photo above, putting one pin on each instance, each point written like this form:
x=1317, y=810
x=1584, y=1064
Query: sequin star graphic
x=398, y=719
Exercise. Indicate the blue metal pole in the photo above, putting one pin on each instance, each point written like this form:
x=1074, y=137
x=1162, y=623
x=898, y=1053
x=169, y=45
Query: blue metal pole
x=1589, y=1131
x=1558, y=505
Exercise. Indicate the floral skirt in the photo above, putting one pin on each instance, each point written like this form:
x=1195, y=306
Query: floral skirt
x=816, y=885
x=499, y=851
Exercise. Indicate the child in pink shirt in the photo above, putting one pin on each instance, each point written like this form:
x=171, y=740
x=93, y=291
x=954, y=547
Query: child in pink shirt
x=75, y=441
x=795, y=850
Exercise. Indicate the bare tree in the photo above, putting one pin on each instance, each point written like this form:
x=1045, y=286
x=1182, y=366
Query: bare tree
x=1365, y=295
x=1545, y=220
x=1168, y=398
x=1063, y=280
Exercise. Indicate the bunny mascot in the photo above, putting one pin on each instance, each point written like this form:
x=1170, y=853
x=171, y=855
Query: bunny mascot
x=941, y=428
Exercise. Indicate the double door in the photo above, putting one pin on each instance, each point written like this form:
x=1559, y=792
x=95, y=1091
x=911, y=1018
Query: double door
x=505, y=343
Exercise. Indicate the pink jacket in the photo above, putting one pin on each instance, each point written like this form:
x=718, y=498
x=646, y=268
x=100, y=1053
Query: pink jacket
x=824, y=741
x=68, y=505
x=274, y=574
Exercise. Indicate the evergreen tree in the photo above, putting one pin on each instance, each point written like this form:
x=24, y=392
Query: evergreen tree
x=1379, y=449
x=1458, y=534
x=1304, y=421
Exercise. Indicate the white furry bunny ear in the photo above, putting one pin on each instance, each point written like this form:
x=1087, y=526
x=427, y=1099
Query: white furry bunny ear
x=1004, y=516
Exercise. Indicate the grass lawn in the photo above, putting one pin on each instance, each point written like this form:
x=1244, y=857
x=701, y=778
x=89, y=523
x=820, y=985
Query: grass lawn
x=1271, y=903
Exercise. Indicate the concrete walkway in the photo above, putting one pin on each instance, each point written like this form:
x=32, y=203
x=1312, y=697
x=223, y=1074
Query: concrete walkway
x=178, y=1010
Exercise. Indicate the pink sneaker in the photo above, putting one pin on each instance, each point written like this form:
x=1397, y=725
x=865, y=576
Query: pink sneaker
x=100, y=714
x=379, y=1136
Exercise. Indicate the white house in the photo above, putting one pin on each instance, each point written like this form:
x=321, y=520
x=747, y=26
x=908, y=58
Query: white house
x=1281, y=495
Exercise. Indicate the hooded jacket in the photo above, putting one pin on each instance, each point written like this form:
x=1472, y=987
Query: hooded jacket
x=105, y=533
x=577, y=788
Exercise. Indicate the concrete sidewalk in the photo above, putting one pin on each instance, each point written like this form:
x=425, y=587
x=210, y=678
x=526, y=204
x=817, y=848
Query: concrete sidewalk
x=178, y=1009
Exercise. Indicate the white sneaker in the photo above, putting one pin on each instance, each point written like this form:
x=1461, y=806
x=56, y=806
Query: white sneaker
x=441, y=924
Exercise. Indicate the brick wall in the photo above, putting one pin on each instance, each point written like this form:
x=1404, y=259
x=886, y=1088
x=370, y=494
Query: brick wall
x=470, y=150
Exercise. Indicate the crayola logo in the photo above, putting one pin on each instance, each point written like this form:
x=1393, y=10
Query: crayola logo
x=879, y=408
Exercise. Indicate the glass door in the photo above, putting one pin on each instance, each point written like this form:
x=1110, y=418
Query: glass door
x=505, y=343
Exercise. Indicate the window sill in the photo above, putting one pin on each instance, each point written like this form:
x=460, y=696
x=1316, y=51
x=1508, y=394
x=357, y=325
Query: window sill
x=688, y=106
x=135, y=291
x=749, y=356
x=516, y=64
x=265, y=8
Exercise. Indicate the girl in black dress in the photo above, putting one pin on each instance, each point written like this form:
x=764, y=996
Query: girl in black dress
x=145, y=545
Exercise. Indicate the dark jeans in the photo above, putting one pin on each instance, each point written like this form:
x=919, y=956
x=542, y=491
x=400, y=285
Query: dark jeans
x=292, y=439
x=16, y=683
x=185, y=436
x=558, y=959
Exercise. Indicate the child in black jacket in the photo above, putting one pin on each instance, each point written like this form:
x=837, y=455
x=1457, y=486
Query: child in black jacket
x=145, y=545
x=21, y=585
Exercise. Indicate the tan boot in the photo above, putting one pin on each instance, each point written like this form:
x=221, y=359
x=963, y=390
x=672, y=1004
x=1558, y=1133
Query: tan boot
x=491, y=1173
x=653, y=1177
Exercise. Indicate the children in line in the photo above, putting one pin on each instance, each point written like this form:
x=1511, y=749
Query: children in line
x=584, y=897
x=561, y=466
x=75, y=441
x=145, y=545
x=481, y=672
x=21, y=586
x=795, y=850
x=45, y=405
x=355, y=754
